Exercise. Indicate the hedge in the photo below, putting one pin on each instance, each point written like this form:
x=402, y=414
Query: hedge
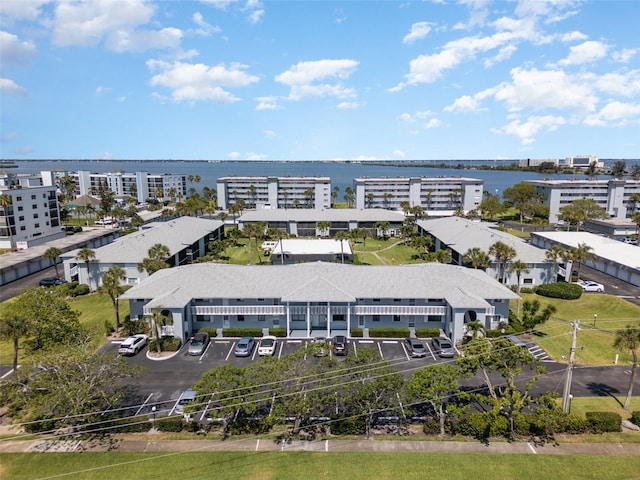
x=167, y=344
x=140, y=423
x=483, y=425
x=213, y=332
x=635, y=418
x=389, y=332
x=357, y=332
x=259, y=426
x=348, y=426
x=241, y=332
x=278, y=332
x=563, y=290
x=170, y=424
x=600, y=422
x=427, y=332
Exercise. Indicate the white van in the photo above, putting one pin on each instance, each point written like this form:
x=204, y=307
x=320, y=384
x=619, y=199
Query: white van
x=104, y=221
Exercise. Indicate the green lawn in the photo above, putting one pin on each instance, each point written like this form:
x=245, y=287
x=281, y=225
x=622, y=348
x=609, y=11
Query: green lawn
x=605, y=403
x=314, y=465
x=595, y=343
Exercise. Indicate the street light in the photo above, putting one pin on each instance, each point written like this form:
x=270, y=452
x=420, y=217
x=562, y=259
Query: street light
x=153, y=411
x=595, y=317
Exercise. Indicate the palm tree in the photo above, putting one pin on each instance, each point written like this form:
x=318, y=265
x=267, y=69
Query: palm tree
x=635, y=218
x=554, y=253
x=477, y=258
x=582, y=253
x=5, y=202
x=502, y=254
x=370, y=197
x=111, y=287
x=518, y=267
x=387, y=198
x=334, y=195
x=341, y=236
x=323, y=228
x=382, y=228
x=475, y=328
x=52, y=253
x=308, y=196
x=159, y=320
x=349, y=196
x=159, y=252
x=13, y=327
x=629, y=339
x=86, y=255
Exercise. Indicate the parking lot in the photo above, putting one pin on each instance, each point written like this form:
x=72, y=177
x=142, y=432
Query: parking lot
x=163, y=380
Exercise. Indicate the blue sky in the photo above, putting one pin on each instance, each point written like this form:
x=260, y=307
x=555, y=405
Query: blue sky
x=319, y=80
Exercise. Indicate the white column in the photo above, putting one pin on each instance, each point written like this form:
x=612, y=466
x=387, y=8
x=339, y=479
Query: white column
x=328, y=319
x=308, y=320
x=348, y=319
x=288, y=312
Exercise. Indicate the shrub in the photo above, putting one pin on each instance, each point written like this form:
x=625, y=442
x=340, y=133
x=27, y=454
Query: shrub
x=242, y=332
x=170, y=424
x=127, y=425
x=601, y=422
x=427, y=332
x=389, y=332
x=431, y=426
x=167, y=344
x=483, y=425
x=563, y=290
x=526, y=290
x=357, y=332
x=348, y=426
x=635, y=418
x=108, y=328
x=571, y=423
x=211, y=331
x=278, y=332
x=250, y=426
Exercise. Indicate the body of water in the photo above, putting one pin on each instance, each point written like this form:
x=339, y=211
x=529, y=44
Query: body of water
x=341, y=174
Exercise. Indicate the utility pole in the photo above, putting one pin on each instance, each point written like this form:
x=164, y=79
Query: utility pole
x=566, y=396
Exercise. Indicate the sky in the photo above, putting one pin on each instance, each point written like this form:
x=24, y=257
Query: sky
x=319, y=80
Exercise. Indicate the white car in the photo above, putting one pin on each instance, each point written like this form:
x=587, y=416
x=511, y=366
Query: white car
x=268, y=345
x=589, y=286
x=133, y=344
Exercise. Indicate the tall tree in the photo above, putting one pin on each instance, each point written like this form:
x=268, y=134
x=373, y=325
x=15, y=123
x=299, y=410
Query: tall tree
x=52, y=253
x=323, y=227
x=518, y=267
x=618, y=168
x=349, y=196
x=86, y=255
x=158, y=320
x=582, y=253
x=519, y=195
x=554, y=253
x=13, y=327
x=629, y=339
x=436, y=384
x=155, y=259
x=382, y=229
x=502, y=253
x=477, y=258
x=111, y=286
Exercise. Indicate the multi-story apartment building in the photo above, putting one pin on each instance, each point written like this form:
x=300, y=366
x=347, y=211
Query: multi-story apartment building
x=140, y=185
x=613, y=195
x=275, y=192
x=29, y=213
x=433, y=194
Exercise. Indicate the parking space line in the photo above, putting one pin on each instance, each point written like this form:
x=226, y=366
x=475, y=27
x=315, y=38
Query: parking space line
x=230, y=350
x=257, y=445
x=404, y=349
x=206, y=408
x=380, y=350
x=532, y=448
x=426, y=344
x=144, y=404
x=389, y=341
x=365, y=341
x=204, y=353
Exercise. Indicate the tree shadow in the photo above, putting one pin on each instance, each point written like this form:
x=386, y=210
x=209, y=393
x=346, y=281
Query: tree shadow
x=603, y=390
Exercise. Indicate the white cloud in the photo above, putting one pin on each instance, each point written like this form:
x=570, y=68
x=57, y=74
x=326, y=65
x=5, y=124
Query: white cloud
x=587, y=52
x=615, y=114
x=253, y=8
x=504, y=54
x=7, y=137
x=205, y=29
x=11, y=11
x=233, y=155
x=527, y=131
x=625, y=55
x=267, y=103
x=302, y=78
x=464, y=104
x=100, y=90
x=256, y=156
x=348, y=105
x=269, y=133
x=103, y=156
x=406, y=117
x=9, y=86
x=625, y=84
x=573, y=36
x=542, y=89
x=114, y=22
x=419, y=30
x=193, y=82
x=13, y=50
x=432, y=123
x=399, y=154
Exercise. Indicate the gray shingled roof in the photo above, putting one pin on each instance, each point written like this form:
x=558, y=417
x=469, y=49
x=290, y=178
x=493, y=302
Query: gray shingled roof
x=312, y=215
x=133, y=248
x=462, y=234
x=319, y=281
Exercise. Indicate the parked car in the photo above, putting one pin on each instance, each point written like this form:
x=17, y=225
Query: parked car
x=340, y=345
x=51, y=282
x=443, y=347
x=319, y=347
x=104, y=221
x=268, y=345
x=133, y=344
x=77, y=229
x=590, y=286
x=186, y=397
x=415, y=347
x=68, y=230
x=199, y=343
x=244, y=347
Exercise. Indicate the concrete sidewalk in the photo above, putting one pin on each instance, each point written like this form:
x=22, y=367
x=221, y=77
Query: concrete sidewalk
x=262, y=445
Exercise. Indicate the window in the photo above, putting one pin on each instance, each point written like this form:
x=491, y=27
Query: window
x=376, y=318
x=376, y=299
x=339, y=317
x=241, y=318
x=261, y=318
x=33, y=197
x=19, y=208
x=396, y=318
x=527, y=281
x=21, y=218
x=19, y=199
x=397, y=300
x=35, y=215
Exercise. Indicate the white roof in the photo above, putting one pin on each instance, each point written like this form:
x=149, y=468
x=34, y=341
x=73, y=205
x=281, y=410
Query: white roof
x=312, y=246
x=461, y=235
x=175, y=234
x=604, y=247
x=315, y=215
x=319, y=281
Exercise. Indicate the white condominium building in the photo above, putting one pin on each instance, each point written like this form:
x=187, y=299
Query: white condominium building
x=31, y=216
x=613, y=195
x=140, y=185
x=275, y=192
x=443, y=194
